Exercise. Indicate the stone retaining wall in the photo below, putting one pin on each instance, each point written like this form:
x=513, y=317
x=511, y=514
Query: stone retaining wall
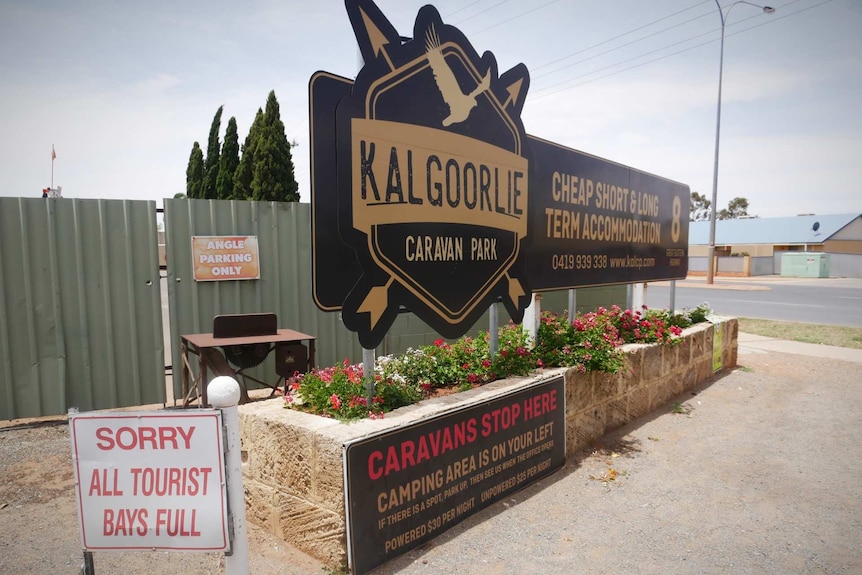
x=293, y=462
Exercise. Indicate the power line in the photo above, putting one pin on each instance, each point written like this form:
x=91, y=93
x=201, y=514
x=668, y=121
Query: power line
x=622, y=46
x=541, y=94
x=461, y=9
x=481, y=12
x=515, y=17
x=602, y=43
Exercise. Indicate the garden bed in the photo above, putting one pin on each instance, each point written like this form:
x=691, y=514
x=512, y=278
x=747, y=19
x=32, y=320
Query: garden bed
x=294, y=473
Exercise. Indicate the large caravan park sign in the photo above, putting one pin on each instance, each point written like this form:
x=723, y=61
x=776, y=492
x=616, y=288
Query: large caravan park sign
x=428, y=195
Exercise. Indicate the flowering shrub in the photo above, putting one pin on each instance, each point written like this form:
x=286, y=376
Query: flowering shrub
x=588, y=343
x=339, y=392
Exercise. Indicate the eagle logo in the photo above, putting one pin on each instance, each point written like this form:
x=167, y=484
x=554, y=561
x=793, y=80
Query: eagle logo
x=460, y=104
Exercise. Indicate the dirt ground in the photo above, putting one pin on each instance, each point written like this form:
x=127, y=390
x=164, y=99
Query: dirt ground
x=758, y=472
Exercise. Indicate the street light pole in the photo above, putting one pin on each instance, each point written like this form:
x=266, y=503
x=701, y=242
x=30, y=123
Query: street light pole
x=710, y=272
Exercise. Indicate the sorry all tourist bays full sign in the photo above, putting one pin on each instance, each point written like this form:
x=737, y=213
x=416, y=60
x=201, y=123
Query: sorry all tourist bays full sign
x=428, y=195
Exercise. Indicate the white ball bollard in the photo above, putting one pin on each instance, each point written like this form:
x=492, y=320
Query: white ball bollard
x=224, y=393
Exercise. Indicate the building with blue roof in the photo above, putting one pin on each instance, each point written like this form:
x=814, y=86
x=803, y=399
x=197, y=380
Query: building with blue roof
x=756, y=246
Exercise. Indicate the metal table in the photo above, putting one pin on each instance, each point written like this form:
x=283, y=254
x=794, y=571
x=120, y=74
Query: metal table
x=199, y=343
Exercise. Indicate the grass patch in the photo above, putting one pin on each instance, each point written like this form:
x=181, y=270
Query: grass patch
x=839, y=336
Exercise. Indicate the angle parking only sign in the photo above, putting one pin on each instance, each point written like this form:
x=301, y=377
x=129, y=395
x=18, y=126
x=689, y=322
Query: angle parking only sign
x=150, y=480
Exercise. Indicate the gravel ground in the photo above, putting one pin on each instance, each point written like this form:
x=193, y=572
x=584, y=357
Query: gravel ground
x=759, y=472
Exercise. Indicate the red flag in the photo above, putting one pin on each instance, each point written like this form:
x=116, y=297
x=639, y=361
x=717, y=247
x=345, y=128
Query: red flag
x=53, y=154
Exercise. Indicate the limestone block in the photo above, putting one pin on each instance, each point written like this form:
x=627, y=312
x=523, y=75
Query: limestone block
x=683, y=349
x=698, y=343
x=616, y=414
x=320, y=533
x=328, y=469
x=638, y=402
x=704, y=369
x=579, y=390
x=731, y=358
x=261, y=504
x=281, y=455
x=689, y=378
x=584, y=428
x=633, y=368
x=664, y=390
x=605, y=386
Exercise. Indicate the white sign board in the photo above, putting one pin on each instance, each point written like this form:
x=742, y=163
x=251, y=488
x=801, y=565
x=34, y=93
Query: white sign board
x=150, y=480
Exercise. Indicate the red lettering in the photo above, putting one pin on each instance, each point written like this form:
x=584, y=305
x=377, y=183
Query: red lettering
x=145, y=437
x=447, y=440
x=128, y=431
x=539, y=404
x=471, y=430
x=168, y=434
x=170, y=481
x=147, y=434
x=423, y=454
x=434, y=439
x=392, y=463
x=486, y=425
x=407, y=449
x=124, y=522
x=106, y=435
x=177, y=523
x=516, y=412
x=374, y=471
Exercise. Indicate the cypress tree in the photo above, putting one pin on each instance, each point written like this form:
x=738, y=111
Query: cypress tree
x=211, y=167
x=228, y=162
x=244, y=174
x=273, y=177
x=195, y=173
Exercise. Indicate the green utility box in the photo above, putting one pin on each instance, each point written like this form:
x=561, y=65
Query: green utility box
x=805, y=265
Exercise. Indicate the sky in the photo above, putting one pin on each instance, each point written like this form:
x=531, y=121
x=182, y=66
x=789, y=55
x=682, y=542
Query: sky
x=122, y=90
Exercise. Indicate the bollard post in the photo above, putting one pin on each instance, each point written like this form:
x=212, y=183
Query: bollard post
x=368, y=373
x=529, y=321
x=573, y=304
x=493, y=331
x=223, y=393
x=89, y=566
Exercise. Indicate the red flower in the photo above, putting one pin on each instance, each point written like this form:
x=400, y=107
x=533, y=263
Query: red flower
x=335, y=401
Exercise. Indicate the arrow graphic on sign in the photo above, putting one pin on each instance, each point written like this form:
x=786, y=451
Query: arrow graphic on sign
x=376, y=302
x=378, y=39
x=514, y=91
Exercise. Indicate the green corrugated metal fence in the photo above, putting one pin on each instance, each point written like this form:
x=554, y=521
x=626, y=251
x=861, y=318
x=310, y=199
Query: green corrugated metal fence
x=79, y=306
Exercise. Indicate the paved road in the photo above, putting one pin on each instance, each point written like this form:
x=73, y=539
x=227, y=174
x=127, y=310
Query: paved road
x=829, y=301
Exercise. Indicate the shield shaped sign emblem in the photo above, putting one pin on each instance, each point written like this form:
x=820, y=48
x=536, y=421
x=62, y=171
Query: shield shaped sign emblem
x=432, y=178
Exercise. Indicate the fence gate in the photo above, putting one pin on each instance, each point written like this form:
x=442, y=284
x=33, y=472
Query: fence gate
x=80, y=308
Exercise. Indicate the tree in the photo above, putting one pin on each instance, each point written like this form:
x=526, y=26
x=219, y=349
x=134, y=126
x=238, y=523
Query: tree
x=273, y=177
x=228, y=162
x=244, y=174
x=736, y=208
x=211, y=167
x=699, y=207
x=261, y=170
x=195, y=173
